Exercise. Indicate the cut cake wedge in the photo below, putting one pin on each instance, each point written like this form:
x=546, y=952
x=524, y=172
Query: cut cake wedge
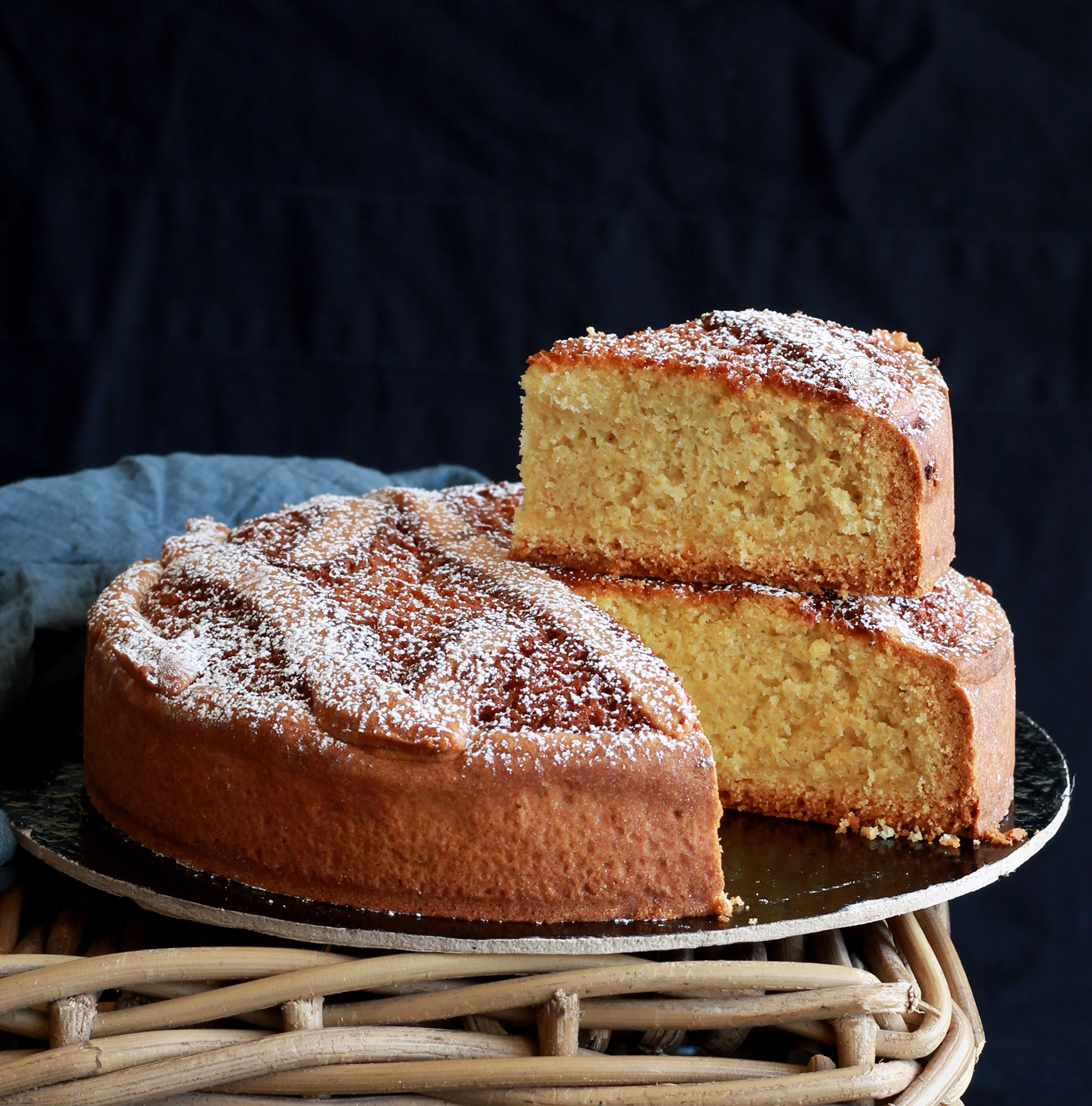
x=894, y=713
x=741, y=446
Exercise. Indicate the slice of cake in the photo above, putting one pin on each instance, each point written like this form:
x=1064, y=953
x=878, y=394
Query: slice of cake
x=363, y=701
x=742, y=446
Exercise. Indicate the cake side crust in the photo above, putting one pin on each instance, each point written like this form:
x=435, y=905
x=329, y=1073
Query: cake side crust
x=548, y=839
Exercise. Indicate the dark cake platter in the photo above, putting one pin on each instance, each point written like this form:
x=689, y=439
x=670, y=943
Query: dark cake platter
x=793, y=877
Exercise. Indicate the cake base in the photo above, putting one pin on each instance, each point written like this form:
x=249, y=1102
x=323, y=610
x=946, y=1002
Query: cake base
x=794, y=877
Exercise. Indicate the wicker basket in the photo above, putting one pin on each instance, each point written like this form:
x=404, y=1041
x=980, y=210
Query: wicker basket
x=177, y=1012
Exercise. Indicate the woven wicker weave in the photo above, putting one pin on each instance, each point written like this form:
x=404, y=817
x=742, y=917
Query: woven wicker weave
x=882, y=1012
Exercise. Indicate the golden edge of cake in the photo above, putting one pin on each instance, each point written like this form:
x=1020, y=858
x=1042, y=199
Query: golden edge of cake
x=618, y=474
x=350, y=790
x=957, y=641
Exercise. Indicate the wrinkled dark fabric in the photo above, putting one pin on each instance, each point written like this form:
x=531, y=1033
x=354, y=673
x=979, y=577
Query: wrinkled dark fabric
x=333, y=229
x=355, y=222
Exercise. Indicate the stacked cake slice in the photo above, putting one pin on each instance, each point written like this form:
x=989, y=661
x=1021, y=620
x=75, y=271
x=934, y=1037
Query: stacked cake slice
x=767, y=501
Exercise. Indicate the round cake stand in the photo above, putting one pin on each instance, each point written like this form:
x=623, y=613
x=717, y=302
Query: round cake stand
x=793, y=877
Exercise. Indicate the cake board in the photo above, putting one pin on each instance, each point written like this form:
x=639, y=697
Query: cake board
x=794, y=877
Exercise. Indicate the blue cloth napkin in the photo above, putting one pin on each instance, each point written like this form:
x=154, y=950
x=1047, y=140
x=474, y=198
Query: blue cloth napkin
x=64, y=538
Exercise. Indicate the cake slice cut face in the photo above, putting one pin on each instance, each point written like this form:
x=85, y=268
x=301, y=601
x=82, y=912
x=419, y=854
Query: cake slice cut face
x=363, y=701
x=743, y=446
x=897, y=714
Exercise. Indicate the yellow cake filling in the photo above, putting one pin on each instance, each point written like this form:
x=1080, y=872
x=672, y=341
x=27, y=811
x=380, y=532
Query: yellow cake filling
x=647, y=466
x=794, y=708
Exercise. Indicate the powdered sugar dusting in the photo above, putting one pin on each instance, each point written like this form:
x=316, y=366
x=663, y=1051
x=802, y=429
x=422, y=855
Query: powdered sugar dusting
x=957, y=620
x=657, y=692
x=748, y=349
x=390, y=619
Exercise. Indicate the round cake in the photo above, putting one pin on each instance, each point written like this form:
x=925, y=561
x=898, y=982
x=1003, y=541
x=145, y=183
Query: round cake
x=365, y=702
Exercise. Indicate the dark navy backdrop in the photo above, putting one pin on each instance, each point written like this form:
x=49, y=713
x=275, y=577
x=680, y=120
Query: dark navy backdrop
x=338, y=229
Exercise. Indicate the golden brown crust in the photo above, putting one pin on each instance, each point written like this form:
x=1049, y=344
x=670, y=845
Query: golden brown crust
x=806, y=357
x=881, y=381
x=232, y=767
x=992, y=703
x=556, y=839
x=930, y=538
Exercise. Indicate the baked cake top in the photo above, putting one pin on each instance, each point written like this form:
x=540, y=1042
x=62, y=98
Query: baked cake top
x=391, y=618
x=878, y=372
x=958, y=620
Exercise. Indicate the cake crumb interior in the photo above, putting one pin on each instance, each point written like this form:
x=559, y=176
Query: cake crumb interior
x=798, y=709
x=646, y=466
